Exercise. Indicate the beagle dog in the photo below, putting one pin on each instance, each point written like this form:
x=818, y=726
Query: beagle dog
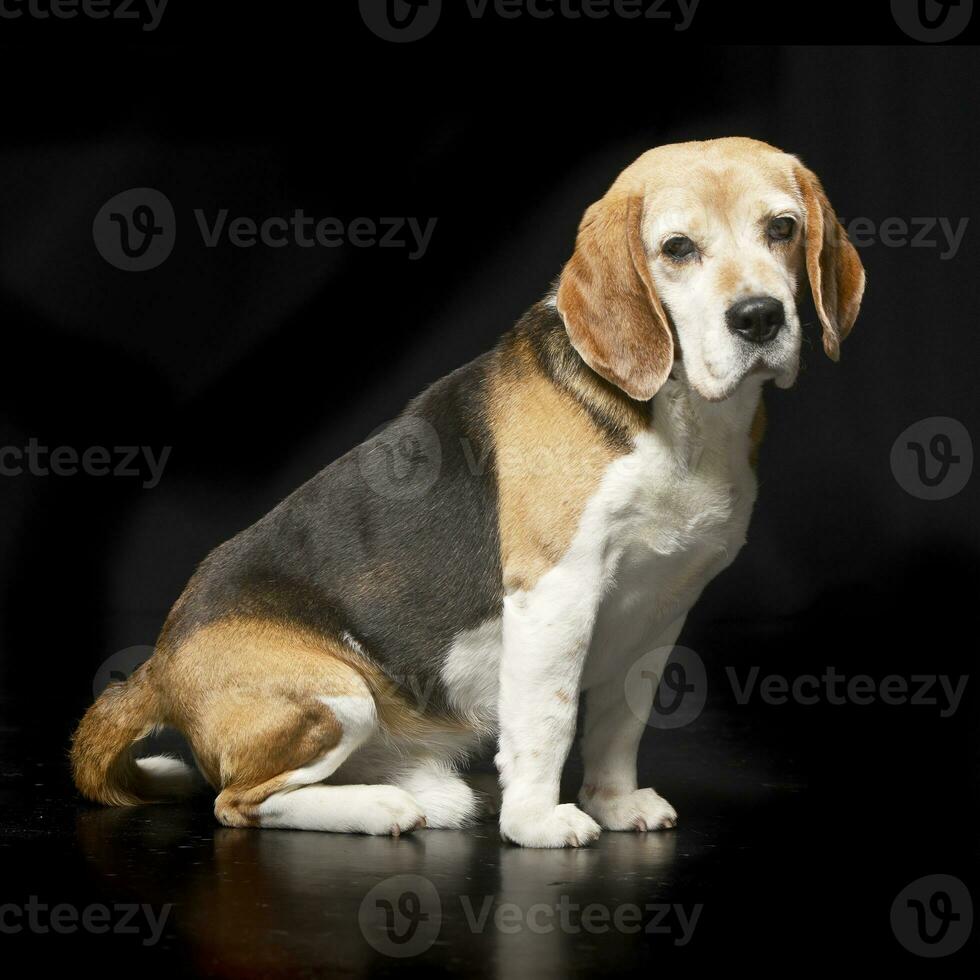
x=526, y=529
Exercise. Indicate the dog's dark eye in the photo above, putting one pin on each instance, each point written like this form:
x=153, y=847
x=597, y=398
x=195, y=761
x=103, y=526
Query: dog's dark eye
x=782, y=229
x=679, y=247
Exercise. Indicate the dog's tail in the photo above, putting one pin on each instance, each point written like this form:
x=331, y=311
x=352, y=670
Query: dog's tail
x=102, y=761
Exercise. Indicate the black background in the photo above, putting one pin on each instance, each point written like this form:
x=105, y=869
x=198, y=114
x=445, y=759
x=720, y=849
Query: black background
x=259, y=366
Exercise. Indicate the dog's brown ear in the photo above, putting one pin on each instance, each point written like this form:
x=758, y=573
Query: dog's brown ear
x=832, y=262
x=607, y=299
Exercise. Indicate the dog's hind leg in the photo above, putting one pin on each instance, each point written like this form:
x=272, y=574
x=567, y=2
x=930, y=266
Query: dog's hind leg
x=296, y=799
x=272, y=713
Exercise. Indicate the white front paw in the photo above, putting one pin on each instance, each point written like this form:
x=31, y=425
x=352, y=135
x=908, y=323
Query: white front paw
x=560, y=826
x=643, y=809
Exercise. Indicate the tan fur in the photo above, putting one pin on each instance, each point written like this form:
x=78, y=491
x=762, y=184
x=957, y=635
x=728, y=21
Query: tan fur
x=101, y=761
x=623, y=416
x=246, y=695
x=678, y=164
x=836, y=273
x=729, y=277
x=611, y=309
x=550, y=456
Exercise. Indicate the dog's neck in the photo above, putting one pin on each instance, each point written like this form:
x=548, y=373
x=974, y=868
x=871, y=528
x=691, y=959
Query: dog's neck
x=692, y=424
x=677, y=410
x=619, y=416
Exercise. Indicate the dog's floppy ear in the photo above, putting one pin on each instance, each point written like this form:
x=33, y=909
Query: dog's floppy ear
x=832, y=262
x=607, y=299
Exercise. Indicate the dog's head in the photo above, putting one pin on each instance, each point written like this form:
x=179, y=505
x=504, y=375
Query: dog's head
x=696, y=254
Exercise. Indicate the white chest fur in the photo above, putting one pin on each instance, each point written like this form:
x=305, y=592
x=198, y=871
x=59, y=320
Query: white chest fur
x=671, y=516
x=666, y=518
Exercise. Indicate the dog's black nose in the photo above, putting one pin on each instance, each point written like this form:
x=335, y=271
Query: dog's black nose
x=758, y=319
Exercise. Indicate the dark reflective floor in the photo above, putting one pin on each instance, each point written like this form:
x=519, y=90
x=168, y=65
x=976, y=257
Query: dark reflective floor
x=800, y=825
x=762, y=866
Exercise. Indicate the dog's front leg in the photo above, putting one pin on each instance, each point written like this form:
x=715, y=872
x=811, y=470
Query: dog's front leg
x=546, y=638
x=612, y=731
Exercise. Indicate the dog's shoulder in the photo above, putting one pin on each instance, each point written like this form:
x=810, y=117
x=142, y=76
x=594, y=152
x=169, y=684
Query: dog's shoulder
x=556, y=428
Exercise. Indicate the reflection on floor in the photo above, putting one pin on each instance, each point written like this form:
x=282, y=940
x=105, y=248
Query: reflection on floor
x=754, y=870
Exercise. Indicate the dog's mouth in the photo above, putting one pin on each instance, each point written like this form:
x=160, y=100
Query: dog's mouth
x=717, y=362
x=719, y=383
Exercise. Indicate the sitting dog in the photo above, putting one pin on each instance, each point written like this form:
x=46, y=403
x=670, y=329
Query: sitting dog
x=521, y=534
